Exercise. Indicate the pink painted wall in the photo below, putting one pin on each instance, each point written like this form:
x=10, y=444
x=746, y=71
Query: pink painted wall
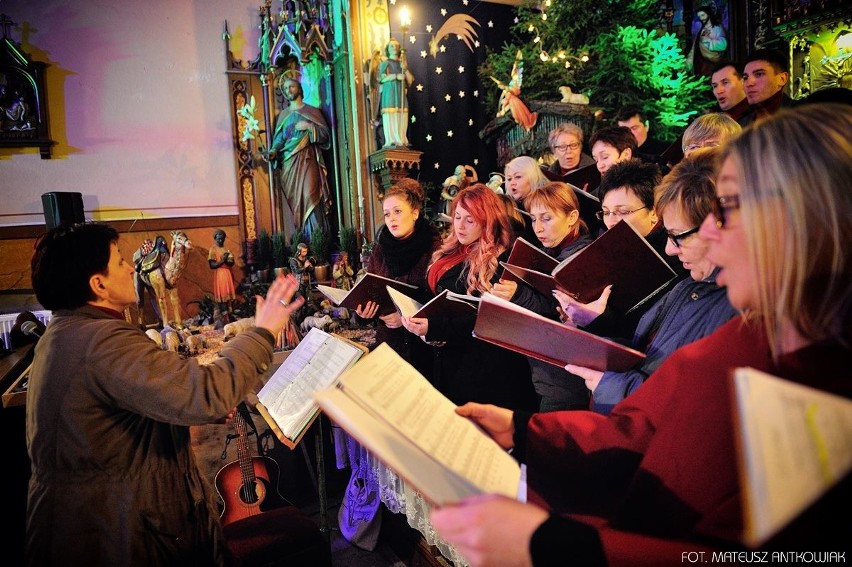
x=138, y=102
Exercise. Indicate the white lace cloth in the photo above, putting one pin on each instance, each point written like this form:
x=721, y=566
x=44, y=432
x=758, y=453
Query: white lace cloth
x=402, y=499
x=398, y=497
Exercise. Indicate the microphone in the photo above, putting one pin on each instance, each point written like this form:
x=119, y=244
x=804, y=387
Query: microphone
x=31, y=329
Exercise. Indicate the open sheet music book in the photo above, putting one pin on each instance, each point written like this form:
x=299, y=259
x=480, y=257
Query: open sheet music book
x=286, y=400
x=620, y=256
x=370, y=287
x=397, y=415
x=511, y=326
x=794, y=444
x=445, y=303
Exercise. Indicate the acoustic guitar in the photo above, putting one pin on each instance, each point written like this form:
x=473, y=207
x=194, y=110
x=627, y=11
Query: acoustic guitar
x=248, y=486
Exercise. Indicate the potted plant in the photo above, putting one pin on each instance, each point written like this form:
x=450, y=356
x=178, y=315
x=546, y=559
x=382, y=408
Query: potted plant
x=320, y=248
x=279, y=253
x=264, y=254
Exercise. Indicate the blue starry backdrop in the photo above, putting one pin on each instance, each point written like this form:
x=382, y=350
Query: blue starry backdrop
x=445, y=44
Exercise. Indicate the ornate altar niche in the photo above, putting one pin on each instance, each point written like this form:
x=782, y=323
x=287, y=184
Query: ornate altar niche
x=818, y=35
x=23, y=97
x=293, y=37
x=513, y=141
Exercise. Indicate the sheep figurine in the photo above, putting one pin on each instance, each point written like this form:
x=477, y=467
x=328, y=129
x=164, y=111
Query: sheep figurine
x=231, y=330
x=318, y=320
x=171, y=340
x=194, y=344
x=573, y=98
x=154, y=335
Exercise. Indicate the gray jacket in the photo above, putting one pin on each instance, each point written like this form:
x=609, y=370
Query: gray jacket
x=114, y=480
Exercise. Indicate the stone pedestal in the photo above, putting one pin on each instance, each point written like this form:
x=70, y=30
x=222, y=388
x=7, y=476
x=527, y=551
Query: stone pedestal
x=389, y=165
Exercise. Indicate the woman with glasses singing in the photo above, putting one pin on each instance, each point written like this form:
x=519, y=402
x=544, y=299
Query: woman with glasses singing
x=627, y=194
x=695, y=307
x=658, y=477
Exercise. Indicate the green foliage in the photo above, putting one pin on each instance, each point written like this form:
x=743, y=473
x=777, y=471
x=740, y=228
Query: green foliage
x=320, y=245
x=646, y=68
x=279, y=250
x=264, y=249
x=349, y=243
x=295, y=239
x=628, y=64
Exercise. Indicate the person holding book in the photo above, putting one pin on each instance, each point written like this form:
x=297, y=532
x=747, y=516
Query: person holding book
x=696, y=306
x=114, y=479
x=556, y=220
x=467, y=262
x=566, y=143
x=627, y=195
x=402, y=251
x=659, y=476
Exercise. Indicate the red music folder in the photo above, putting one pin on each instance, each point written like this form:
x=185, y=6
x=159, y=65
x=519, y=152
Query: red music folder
x=510, y=326
x=370, y=287
x=620, y=256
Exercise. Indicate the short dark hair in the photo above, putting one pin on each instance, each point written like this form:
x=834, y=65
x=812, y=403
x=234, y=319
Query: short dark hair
x=771, y=56
x=726, y=63
x=619, y=137
x=628, y=112
x=65, y=258
x=634, y=174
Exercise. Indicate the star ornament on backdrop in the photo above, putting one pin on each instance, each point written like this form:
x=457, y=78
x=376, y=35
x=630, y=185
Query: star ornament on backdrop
x=458, y=24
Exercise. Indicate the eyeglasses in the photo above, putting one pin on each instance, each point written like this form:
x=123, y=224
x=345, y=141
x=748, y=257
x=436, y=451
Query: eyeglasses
x=617, y=213
x=564, y=147
x=707, y=144
x=722, y=204
x=678, y=238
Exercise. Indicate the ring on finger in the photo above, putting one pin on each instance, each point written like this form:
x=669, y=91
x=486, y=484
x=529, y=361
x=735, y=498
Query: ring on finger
x=283, y=302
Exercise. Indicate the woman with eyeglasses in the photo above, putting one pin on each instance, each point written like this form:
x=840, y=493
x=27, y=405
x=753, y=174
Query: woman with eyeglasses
x=709, y=131
x=566, y=143
x=658, y=477
x=556, y=220
x=695, y=307
x=627, y=194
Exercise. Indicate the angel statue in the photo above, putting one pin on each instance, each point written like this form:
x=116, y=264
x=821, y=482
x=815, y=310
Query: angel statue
x=510, y=99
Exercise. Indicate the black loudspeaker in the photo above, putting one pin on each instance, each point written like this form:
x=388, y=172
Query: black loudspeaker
x=62, y=208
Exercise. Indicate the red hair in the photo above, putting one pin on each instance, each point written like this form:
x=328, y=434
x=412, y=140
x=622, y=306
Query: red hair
x=488, y=211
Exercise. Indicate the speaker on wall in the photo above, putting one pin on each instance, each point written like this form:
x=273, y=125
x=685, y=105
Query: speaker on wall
x=62, y=208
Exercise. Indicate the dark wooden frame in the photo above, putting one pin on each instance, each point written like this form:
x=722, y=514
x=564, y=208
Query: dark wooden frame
x=20, y=77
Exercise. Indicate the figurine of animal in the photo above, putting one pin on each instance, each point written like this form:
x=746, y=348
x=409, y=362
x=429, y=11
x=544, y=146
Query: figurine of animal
x=320, y=321
x=154, y=335
x=158, y=269
x=573, y=98
x=233, y=329
x=194, y=344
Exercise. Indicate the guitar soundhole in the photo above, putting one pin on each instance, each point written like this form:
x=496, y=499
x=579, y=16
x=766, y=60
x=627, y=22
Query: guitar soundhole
x=252, y=493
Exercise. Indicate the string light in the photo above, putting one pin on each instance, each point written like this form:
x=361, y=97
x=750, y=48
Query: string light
x=561, y=58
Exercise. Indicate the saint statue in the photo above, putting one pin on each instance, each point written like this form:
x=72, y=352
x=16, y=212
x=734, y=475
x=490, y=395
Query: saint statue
x=394, y=79
x=301, y=132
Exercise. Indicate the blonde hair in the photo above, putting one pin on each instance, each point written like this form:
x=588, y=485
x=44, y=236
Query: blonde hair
x=712, y=125
x=796, y=208
x=529, y=168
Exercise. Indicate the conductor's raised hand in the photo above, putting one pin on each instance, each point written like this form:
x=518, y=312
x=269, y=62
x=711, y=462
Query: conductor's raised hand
x=274, y=311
